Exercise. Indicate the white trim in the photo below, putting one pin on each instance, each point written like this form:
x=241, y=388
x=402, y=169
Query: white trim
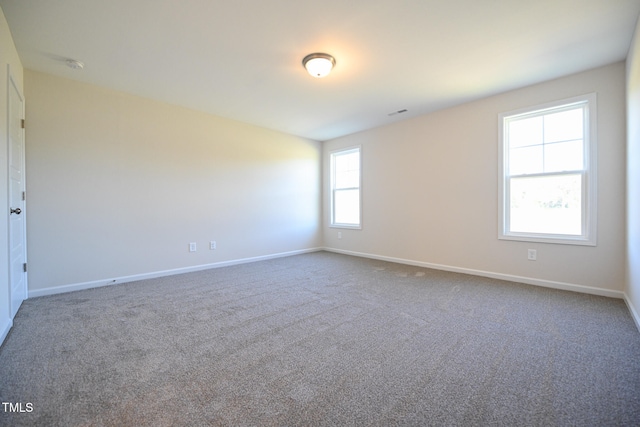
x=353, y=227
x=152, y=275
x=632, y=310
x=500, y=276
x=4, y=331
x=588, y=236
x=332, y=154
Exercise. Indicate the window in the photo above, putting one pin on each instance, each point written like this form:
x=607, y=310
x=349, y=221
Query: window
x=548, y=173
x=345, y=188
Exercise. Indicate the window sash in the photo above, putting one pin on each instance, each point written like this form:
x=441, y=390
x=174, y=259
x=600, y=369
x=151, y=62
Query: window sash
x=550, y=212
x=346, y=207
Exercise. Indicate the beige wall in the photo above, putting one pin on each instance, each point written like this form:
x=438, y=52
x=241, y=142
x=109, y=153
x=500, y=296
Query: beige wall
x=119, y=186
x=430, y=188
x=8, y=60
x=633, y=176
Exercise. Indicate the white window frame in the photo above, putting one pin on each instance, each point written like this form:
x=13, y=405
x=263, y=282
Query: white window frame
x=589, y=175
x=332, y=156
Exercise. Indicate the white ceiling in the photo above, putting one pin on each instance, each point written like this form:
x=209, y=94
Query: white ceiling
x=241, y=59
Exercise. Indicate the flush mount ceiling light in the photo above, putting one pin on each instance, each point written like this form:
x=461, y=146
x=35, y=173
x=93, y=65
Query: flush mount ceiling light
x=74, y=65
x=318, y=64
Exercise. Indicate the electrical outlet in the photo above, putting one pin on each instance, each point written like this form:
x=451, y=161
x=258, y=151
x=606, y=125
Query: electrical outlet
x=532, y=255
x=212, y=245
x=339, y=234
x=192, y=247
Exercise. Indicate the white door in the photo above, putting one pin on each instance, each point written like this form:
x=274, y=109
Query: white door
x=17, y=222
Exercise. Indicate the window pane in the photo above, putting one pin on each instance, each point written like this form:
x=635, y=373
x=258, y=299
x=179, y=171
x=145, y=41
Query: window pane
x=525, y=132
x=346, y=207
x=548, y=204
x=348, y=161
x=563, y=156
x=526, y=160
x=563, y=126
x=347, y=170
x=347, y=179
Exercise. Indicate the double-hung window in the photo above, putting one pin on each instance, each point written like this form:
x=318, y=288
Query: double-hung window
x=345, y=188
x=548, y=173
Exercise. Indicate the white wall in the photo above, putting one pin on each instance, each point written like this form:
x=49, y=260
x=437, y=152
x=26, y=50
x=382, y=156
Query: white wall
x=8, y=56
x=430, y=188
x=118, y=186
x=633, y=176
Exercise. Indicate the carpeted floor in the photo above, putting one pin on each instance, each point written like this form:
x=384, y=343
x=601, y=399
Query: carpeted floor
x=322, y=339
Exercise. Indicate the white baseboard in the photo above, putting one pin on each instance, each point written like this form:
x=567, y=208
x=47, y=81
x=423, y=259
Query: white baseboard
x=632, y=310
x=5, y=328
x=493, y=275
x=124, y=279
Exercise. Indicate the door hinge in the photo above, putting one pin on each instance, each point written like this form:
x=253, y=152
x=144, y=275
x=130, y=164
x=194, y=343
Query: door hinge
x=24, y=267
x=22, y=123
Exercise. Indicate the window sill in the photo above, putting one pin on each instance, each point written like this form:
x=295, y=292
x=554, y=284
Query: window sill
x=351, y=227
x=559, y=240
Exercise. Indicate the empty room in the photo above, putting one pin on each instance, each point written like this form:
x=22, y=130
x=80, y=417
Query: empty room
x=285, y=213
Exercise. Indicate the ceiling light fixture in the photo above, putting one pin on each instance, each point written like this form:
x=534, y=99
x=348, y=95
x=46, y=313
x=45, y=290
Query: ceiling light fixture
x=74, y=65
x=319, y=64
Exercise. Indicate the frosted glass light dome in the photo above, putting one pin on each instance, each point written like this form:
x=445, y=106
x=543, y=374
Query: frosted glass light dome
x=319, y=64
